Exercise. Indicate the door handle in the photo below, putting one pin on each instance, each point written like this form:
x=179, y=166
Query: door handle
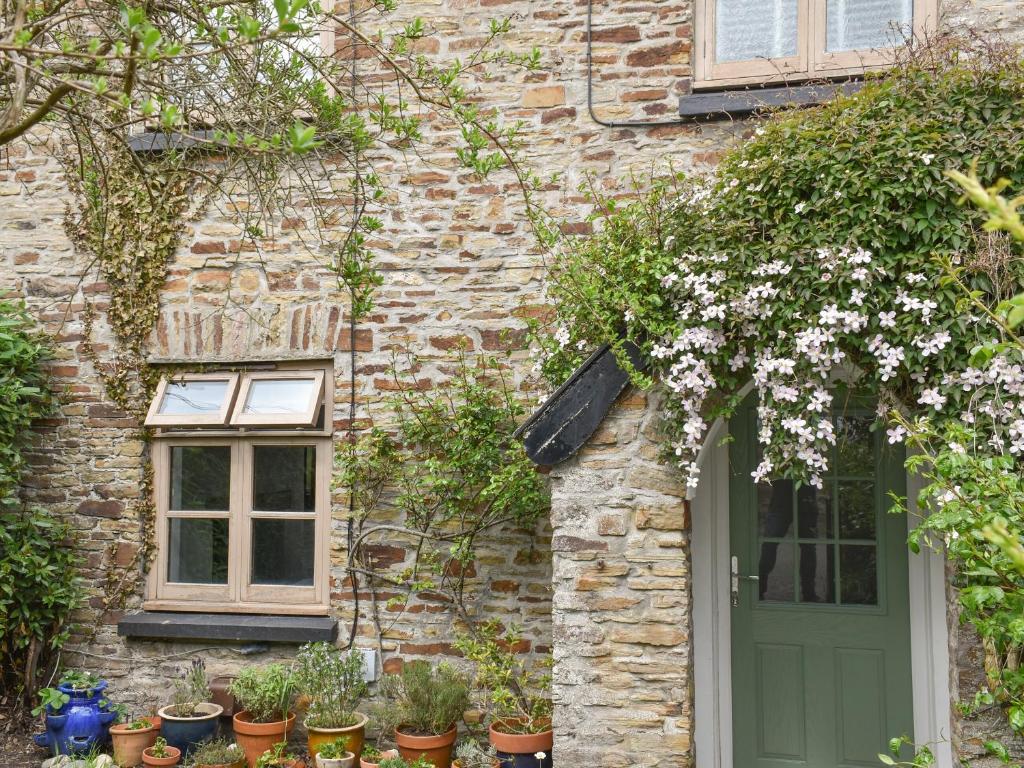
x=734, y=580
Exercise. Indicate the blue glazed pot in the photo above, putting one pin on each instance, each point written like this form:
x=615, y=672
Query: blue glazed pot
x=80, y=725
x=186, y=733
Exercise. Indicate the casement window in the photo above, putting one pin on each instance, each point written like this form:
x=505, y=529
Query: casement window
x=242, y=464
x=743, y=42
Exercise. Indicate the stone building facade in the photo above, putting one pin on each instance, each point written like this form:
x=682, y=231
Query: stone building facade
x=607, y=584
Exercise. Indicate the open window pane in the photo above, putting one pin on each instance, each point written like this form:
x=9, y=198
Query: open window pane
x=282, y=552
x=191, y=397
x=854, y=25
x=200, y=478
x=284, y=478
x=755, y=29
x=271, y=397
x=197, y=551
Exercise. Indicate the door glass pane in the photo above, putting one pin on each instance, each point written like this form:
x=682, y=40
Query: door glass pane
x=866, y=24
x=775, y=508
x=194, y=397
x=814, y=511
x=817, y=573
x=858, y=579
x=269, y=397
x=856, y=510
x=855, y=446
x=197, y=550
x=200, y=477
x=775, y=571
x=282, y=552
x=283, y=478
x=755, y=29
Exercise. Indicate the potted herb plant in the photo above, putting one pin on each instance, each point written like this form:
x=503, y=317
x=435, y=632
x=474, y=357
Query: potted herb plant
x=131, y=739
x=469, y=754
x=517, y=696
x=399, y=762
x=218, y=753
x=371, y=757
x=160, y=754
x=424, y=704
x=334, y=754
x=332, y=684
x=277, y=757
x=265, y=695
x=192, y=718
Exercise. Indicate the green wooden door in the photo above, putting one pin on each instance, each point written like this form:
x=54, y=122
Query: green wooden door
x=821, y=638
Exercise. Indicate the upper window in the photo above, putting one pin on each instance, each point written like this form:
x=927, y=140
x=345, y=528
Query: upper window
x=762, y=41
x=241, y=467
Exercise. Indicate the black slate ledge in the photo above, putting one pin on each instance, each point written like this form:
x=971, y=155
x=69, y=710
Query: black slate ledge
x=160, y=625
x=722, y=104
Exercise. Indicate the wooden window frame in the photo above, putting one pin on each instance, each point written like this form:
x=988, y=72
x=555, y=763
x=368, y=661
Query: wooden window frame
x=156, y=419
x=238, y=596
x=307, y=419
x=812, y=59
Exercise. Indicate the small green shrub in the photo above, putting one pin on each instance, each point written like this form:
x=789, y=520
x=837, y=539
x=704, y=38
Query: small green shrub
x=216, y=752
x=266, y=692
x=424, y=699
x=334, y=683
x=333, y=750
x=159, y=748
x=39, y=592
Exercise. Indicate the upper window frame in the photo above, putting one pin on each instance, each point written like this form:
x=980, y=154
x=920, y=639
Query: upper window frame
x=812, y=59
x=305, y=419
x=156, y=419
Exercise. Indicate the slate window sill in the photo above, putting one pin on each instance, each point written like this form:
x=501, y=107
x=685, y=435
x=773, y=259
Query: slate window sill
x=719, y=105
x=161, y=625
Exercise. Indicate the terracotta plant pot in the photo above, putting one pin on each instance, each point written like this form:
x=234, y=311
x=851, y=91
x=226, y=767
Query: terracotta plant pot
x=257, y=738
x=354, y=736
x=173, y=755
x=130, y=743
x=517, y=750
x=347, y=761
x=383, y=756
x=437, y=750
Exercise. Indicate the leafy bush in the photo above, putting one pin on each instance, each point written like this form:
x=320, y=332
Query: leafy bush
x=517, y=693
x=23, y=392
x=424, y=700
x=333, y=750
x=191, y=689
x=266, y=692
x=216, y=752
x=39, y=592
x=332, y=681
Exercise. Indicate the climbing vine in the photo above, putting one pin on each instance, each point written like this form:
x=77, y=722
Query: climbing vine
x=834, y=245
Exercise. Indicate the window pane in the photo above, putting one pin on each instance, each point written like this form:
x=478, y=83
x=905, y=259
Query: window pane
x=198, y=551
x=814, y=511
x=755, y=29
x=856, y=510
x=200, y=477
x=282, y=552
x=865, y=24
x=858, y=582
x=855, y=454
x=283, y=478
x=194, y=397
x=817, y=573
x=775, y=508
x=775, y=572
x=268, y=397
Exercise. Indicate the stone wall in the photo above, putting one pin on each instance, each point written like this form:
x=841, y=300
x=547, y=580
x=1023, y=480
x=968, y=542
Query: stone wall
x=460, y=267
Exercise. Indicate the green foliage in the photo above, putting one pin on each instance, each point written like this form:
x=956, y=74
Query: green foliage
x=191, y=689
x=276, y=756
x=265, y=692
x=452, y=470
x=39, y=592
x=332, y=681
x=335, y=749
x=517, y=693
x=471, y=754
x=80, y=680
x=24, y=396
x=216, y=752
x=424, y=699
x=159, y=748
x=50, y=700
x=398, y=762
